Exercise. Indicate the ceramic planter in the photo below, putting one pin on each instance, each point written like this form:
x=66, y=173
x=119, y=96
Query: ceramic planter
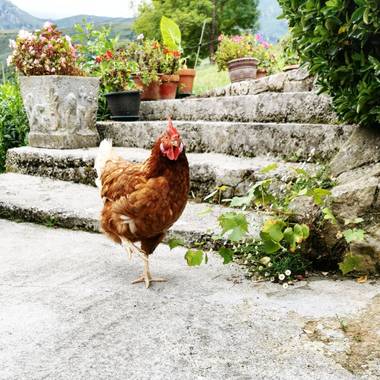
x=61, y=110
x=168, y=86
x=124, y=105
x=242, y=69
x=186, y=81
x=150, y=92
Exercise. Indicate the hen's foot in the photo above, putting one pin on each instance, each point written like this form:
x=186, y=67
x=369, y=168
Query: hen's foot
x=147, y=278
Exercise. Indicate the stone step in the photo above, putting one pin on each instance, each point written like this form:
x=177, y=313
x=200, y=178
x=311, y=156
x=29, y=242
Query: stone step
x=286, y=107
x=289, y=141
x=207, y=170
x=76, y=206
x=298, y=80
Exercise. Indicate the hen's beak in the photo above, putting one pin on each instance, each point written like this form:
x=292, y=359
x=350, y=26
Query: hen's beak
x=175, y=143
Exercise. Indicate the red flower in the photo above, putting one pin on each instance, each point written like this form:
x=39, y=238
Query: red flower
x=166, y=51
x=176, y=54
x=98, y=59
x=155, y=45
x=108, y=55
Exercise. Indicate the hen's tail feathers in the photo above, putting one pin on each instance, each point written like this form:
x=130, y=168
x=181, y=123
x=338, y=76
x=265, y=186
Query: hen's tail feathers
x=104, y=154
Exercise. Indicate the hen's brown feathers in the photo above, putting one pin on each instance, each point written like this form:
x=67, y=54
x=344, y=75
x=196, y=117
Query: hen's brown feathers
x=142, y=201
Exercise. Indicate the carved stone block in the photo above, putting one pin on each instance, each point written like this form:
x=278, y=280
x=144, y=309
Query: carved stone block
x=61, y=110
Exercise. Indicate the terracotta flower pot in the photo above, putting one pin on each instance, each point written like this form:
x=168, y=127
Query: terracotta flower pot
x=242, y=69
x=168, y=87
x=261, y=73
x=186, y=81
x=150, y=92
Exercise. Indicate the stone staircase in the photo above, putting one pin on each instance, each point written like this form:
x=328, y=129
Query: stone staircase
x=229, y=139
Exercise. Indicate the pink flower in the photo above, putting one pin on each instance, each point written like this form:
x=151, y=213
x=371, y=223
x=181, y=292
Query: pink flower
x=265, y=45
x=237, y=39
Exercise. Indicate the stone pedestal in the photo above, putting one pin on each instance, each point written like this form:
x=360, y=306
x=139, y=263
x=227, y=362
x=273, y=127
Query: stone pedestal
x=61, y=110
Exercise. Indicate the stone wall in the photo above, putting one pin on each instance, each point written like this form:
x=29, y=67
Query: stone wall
x=357, y=167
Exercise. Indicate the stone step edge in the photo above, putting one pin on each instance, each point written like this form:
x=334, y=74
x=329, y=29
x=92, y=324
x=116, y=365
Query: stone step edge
x=86, y=219
x=304, y=141
x=208, y=170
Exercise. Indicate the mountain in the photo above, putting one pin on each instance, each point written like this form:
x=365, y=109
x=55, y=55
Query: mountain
x=270, y=27
x=13, y=19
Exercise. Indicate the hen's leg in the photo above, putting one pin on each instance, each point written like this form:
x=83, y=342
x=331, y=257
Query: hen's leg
x=146, y=276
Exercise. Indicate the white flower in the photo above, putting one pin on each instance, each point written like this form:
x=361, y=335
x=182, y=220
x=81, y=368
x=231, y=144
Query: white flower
x=288, y=272
x=47, y=25
x=140, y=36
x=281, y=277
x=265, y=260
x=68, y=39
x=12, y=44
x=285, y=286
x=9, y=60
x=24, y=34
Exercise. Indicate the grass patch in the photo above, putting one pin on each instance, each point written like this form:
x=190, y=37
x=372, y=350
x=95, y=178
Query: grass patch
x=208, y=77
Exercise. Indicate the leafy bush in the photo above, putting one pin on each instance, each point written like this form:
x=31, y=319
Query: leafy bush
x=340, y=39
x=44, y=52
x=14, y=125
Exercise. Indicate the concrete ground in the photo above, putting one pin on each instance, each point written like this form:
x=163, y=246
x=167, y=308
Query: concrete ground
x=69, y=311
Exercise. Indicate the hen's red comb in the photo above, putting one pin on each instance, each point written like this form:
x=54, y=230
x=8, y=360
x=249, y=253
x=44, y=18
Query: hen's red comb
x=171, y=130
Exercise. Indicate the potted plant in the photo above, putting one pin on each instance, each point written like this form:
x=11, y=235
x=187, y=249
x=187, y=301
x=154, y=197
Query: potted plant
x=147, y=54
x=267, y=60
x=237, y=53
x=171, y=36
x=116, y=81
x=168, y=71
x=60, y=102
x=186, y=81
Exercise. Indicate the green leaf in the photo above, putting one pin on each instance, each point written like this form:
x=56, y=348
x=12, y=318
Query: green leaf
x=328, y=215
x=290, y=238
x=354, y=234
x=274, y=227
x=194, y=257
x=269, y=246
x=227, y=254
x=269, y=168
x=175, y=242
x=319, y=195
x=234, y=223
x=171, y=34
x=365, y=16
x=350, y=263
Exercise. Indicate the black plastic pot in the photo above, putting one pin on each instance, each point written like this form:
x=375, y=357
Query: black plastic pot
x=124, y=105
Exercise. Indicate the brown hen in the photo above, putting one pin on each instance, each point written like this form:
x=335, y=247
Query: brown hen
x=142, y=201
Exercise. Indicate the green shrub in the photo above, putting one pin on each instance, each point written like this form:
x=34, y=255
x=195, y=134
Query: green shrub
x=340, y=40
x=14, y=125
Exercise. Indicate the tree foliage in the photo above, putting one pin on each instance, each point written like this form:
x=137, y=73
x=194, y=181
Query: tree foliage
x=340, y=39
x=230, y=17
x=14, y=125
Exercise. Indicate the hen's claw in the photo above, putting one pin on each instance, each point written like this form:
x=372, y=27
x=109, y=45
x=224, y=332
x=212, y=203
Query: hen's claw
x=148, y=279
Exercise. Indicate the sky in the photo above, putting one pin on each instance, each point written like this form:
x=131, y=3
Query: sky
x=53, y=9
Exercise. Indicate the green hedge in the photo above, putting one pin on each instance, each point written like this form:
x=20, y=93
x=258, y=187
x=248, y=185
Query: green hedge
x=340, y=40
x=14, y=125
